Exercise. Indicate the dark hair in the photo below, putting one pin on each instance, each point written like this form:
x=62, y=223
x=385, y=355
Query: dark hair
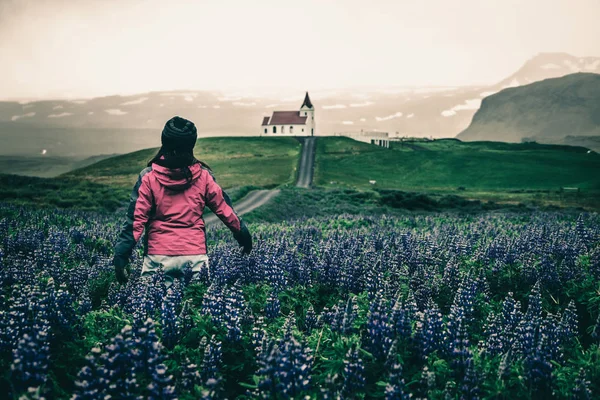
x=181, y=159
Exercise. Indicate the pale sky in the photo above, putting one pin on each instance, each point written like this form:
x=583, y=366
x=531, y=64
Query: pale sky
x=85, y=48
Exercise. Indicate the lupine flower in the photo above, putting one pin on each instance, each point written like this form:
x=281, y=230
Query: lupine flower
x=582, y=391
x=310, y=320
x=396, y=388
x=273, y=306
x=211, y=360
x=160, y=387
x=168, y=317
x=354, y=380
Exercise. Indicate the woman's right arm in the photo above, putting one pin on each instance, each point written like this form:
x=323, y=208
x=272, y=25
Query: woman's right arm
x=220, y=204
x=140, y=203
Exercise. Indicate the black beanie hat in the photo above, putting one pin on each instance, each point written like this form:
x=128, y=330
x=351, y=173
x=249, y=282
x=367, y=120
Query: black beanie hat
x=179, y=134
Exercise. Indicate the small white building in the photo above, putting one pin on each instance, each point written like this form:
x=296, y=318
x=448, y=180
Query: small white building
x=375, y=137
x=291, y=123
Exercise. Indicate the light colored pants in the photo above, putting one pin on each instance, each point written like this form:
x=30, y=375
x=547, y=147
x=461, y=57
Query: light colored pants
x=173, y=266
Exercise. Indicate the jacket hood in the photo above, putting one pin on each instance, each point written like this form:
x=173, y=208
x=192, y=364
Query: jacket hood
x=175, y=179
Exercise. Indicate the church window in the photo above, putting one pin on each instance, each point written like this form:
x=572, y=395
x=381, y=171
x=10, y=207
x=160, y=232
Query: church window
x=265, y=130
x=291, y=129
x=283, y=129
x=274, y=129
x=302, y=129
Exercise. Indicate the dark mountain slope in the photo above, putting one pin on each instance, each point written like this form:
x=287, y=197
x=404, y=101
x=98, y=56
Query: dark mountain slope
x=546, y=111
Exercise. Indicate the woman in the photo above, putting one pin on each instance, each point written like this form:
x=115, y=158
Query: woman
x=167, y=202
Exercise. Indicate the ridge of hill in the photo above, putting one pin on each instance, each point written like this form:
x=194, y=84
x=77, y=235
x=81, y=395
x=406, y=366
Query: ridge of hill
x=409, y=175
x=547, y=111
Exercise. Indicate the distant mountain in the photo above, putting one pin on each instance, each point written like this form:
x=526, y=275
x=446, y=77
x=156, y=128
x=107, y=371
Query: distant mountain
x=549, y=111
x=550, y=65
x=120, y=124
x=591, y=142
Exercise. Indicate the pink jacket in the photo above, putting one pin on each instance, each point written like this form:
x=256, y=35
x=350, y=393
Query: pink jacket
x=170, y=210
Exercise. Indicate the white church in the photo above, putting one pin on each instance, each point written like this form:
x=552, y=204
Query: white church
x=291, y=123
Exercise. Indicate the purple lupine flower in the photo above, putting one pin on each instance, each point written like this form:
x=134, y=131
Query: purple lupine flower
x=234, y=307
x=396, y=388
x=160, y=386
x=213, y=304
x=569, y=324
x=581, y=390
x=91, y=383
x=272, y=307
x=211, y=360
x=469, y=387
x=168, y=317
x=30, y=359
x=310, y=320
x=294, y=366
x=380, y=330
x=354, y=379
x=509, y=322
x=344, y=316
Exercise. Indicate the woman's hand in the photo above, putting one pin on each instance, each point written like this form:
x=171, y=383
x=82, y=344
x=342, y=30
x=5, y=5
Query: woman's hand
x=244, y=238
x=121, y=272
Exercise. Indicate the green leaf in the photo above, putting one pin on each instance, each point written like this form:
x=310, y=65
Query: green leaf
x=248, y=385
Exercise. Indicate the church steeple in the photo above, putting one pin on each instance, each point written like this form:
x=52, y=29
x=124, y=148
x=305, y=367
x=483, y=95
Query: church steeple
x=307, y=103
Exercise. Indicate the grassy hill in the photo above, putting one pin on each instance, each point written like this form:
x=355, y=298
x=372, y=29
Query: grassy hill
x=443, y=174
x=482, y=170
x=252, y=161
x=545, y=111
x=237, y=163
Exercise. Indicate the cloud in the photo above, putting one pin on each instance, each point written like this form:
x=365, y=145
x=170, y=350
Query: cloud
x=115, y=111
x=334, y=106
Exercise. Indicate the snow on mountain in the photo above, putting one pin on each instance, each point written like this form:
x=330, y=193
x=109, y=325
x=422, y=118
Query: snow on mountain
x=18, y=117
x=115, y=111
x=551, y=65
x=61, y=115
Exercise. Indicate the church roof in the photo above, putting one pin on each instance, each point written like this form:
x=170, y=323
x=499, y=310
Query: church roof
x=307, y=102
x=266, y=120
x=286, y=118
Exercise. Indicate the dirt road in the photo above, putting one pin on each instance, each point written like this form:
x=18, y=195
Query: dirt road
x=259, y=198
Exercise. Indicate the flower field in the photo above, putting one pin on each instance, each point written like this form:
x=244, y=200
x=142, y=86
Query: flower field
x=438, y=306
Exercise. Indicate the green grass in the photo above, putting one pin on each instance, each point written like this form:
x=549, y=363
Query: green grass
x=416, y=176
x=295, y=203
x=235, y=161
x=495, y=171
x=61, y=192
